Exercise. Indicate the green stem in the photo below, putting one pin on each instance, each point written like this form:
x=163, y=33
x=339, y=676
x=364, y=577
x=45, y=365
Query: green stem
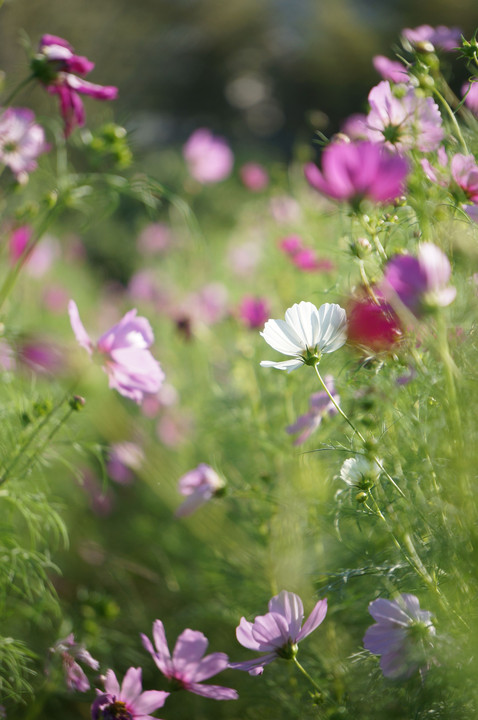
x=453, y=119
x=16, y=90
x=306, y=674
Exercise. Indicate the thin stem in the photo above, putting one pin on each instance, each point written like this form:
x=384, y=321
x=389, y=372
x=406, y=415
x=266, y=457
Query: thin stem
x=16, y=90
x=453, y=119
x=306, y=674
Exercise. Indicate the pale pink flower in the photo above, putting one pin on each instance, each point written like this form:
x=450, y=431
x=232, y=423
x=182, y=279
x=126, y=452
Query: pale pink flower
x=464, y=170
x=22, y=140
x=188, y=666
x=70, y=651
x=254, y=176
x=39, y=259
x=355, y=127
x=441, y=37
x=127, y=702
x=403, y=123
x=125, y=459
x=54, y=65
x=285, y=209
x=320, y=405
x=174, y=428
x=243, y=258
x=253, y=311
x=155, y=238
x=198, y=486
x=209, y=157
x=356, y=170
x=278, y=632
x=471, y=99
x=126, y=359
x=391, y=69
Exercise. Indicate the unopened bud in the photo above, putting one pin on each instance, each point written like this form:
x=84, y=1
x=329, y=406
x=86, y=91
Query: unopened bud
x=77, y=402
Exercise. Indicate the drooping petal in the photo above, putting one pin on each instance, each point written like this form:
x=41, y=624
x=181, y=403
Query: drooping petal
x=313, y=621
x=78, y=328
x=256, y=666
x=288, y=365
x=214, y=692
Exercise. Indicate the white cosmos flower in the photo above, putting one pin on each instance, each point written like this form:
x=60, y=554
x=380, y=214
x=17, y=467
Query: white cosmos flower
x=360, y=472
x=305, y=334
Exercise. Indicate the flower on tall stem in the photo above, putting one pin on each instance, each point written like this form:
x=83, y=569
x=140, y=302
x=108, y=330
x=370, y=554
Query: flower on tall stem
x=124, y=354
x=402, y=636
x=352, y=171
x=188, y=666
x=127, y=702
x=22, y=140
x=306, y=334
x=320, y=405
x=278, y=632
x=58, y=69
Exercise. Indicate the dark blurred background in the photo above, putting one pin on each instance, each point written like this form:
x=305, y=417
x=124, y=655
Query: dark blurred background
x=255, y=70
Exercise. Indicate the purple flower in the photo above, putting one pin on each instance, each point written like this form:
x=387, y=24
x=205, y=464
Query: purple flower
x=278, y=632
x=209, y=158
x=402, y=635
x=320, y=405
x=441, y=37
x=70, y=652
x=254, y=177
x=420, y=283
x=188, y=666
x=253, y=311
x=199, y=486
x=22, y=140
x=403, y=123
x=54, y=65
x=128, y=702
x=390, y=69
x=352, y=171
x=131, y=368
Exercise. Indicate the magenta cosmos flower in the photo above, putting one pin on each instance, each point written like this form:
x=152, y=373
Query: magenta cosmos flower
x=209, y=157
x=420, y=283
x=278, y=632
x=22, y=140
x=58, y=68
x=402, y=636
x=356, y=170
x=127, y=702
x=198, y=486
x=320, y=405
x=254, y=176
x=253, y=311
x=124, y=353
x=188, y=666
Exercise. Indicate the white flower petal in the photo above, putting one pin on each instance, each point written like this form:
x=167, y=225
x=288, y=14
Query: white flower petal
x=333, y=324
x=288, y=365
x=303, y=317
x=282, y=337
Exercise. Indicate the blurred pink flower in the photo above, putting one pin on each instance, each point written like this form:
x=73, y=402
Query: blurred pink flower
x=22, y=140
x=126, y=359
x=174, y=428
x=355, y=127
x=403, y=123
x=303, y=257
x=199, y=486
x=41, y=355
x=284, y=209
x=40, y=258
x=420, y=283
x=390, y=69
x=464, y=170
x=54, y=65
x=373, y=325
x=441, y=37
x=254, y=176
x=320, y=405
x=471, y=100
x=244, y=258
x=166, y=396
x=70, y=652
x=352, y=171
x=155, y=238
x=209, y=157
x=472, y=212
x=125, y=458
x=253, y=311
x=278, y=632
x=55, y=299
x=188, y=666
x=127, y=702
x=100, y=498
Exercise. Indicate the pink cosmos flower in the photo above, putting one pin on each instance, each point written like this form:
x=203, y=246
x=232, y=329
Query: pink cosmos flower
x=125, y=458
x=373, y=325
x=254, y=176
x=403, y=123
x=464, y=170
x=54, y=65
x=253, y=311
x=131, y=368
x=278, y=632
x=127, y=702
x=303, y=257
x=70, y=652
x=155, y=238
x=22, y=140
x=355, y=127
x=471, y=99
x=209, y=157
x=391, y=69
x=352, y=171
x=199, y=486
x=285, y=209
x=402, y=635
x=320, y=405
x=420, y=283
x=441, y=37
x=188, y=666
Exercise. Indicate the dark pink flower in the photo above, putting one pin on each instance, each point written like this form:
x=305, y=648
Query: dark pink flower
x=254, y=176
x=188, y=666
x=22, y=140
x=278, y=632
x=390, y=69
x=420, y=283
x=356, y=170
x=127, y=702
x=373, y=325
x=198, y=486
x=126, y=359
x=320, y=405
x=253, y=311
x=441, y=37
x=70, y=652
x=209, y=158
x=54, y=65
